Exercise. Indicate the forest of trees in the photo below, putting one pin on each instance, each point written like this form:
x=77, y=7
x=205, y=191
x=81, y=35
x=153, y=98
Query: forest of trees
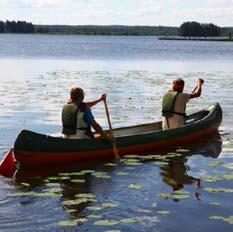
x=195, y=29
x=16, y=27
x=106, y=30
x=191, y=29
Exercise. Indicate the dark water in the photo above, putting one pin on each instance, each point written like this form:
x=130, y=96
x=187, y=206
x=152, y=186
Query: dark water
x=188, y=189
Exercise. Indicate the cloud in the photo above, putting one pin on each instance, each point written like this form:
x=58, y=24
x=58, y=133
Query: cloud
x=214, y=2
x=3, y=2
x=46, y=3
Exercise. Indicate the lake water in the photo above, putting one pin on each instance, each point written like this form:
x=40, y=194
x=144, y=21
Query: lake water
x=136, y=193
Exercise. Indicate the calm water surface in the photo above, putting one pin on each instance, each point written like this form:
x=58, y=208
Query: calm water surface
x=146, y=193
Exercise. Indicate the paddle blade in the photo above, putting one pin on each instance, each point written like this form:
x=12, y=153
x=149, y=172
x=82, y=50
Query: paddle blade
x=7, y=165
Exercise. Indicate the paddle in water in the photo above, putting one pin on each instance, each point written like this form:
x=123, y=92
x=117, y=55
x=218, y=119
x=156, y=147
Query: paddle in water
x=110, y=130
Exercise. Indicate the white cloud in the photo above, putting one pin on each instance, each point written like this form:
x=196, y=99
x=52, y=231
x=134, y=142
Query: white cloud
x=213, y=2
x=46, y=3
x=3, y=2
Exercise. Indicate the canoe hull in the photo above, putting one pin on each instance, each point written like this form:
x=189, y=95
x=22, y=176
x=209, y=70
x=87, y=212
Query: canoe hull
x=49, y=150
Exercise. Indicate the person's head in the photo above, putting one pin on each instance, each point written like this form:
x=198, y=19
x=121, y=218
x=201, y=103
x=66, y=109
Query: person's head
x=178, y=85
x=76, y=95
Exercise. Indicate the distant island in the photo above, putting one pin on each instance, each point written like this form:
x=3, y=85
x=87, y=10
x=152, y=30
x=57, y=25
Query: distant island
x=187, y=29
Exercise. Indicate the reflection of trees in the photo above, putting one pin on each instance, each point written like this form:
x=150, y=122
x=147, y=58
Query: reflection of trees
x=175, y=173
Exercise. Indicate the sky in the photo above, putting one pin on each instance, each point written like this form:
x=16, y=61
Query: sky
x=118, y=12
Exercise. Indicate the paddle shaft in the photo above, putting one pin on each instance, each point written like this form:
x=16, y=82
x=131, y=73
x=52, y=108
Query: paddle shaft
x=110, y=129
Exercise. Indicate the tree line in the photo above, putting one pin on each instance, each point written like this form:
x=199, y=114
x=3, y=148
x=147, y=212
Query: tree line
x=16, y=27
x=195, y=29
x=191, y=29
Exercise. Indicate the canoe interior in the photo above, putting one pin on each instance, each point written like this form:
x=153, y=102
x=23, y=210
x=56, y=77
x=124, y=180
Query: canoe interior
x=157, y=126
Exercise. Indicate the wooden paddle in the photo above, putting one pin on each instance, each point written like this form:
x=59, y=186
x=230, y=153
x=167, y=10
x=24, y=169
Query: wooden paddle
x=110, y=130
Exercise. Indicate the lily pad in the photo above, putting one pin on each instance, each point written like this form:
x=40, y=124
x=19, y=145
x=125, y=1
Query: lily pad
x=229, y=166
x=94, y=216
x=161, y=163
x=94, y=208
x=214, y=203
x=216, y=217
x=122, y=173
x=71, y=210
x=209, y=178
x=67, y=223
x=53, y=184
x=218, y=190
x=106, y=222
x=134, y=186
x=163, y=212
x=85, y=195
x=132, y=156
x=109, y=205
x=110, y=164
x=228, y=177
x=78, y=180
x=25, y=184
x=76, y=201
x=129, y=220
x=215, y=163
x=101, y=175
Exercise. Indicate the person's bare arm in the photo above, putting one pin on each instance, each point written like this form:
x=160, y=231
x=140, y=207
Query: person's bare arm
x=197, y=90
x=92, y=103
x=99, y=130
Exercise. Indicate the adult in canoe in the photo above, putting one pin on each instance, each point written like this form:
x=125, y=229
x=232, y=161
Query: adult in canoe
x=77, y=118
x=174, y=103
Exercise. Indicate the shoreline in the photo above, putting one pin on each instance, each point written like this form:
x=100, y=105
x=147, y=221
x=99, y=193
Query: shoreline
x=219, y=39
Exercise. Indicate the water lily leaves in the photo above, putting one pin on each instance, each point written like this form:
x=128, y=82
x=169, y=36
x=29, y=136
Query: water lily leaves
x=122, y=173
x=101, y=175
x=25, y=184
x=179, y=194
x=215, y=163
x=109, y=205
x=108, y=222
x=110, y=164
x=85, y=195
x=228, y=176
x=34, y=194
x=53, y=190
x=53, y=184
x=129, y=220
x=209, y=178
x=71, y=210
x=214, y=203
x=94, y=208
x=164, y=212
x=134, y=186
x=133, y=162
x=225, y=219
x=67, y=223
x=162, y=163
x=77, y=201
x=216, y=217
x=72, y=222
x=78, y=180
x=229, y=166
x=132, y=156
x=94, y=216
x=218, y=190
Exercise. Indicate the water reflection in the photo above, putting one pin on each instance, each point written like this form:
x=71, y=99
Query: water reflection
x=175, y=174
